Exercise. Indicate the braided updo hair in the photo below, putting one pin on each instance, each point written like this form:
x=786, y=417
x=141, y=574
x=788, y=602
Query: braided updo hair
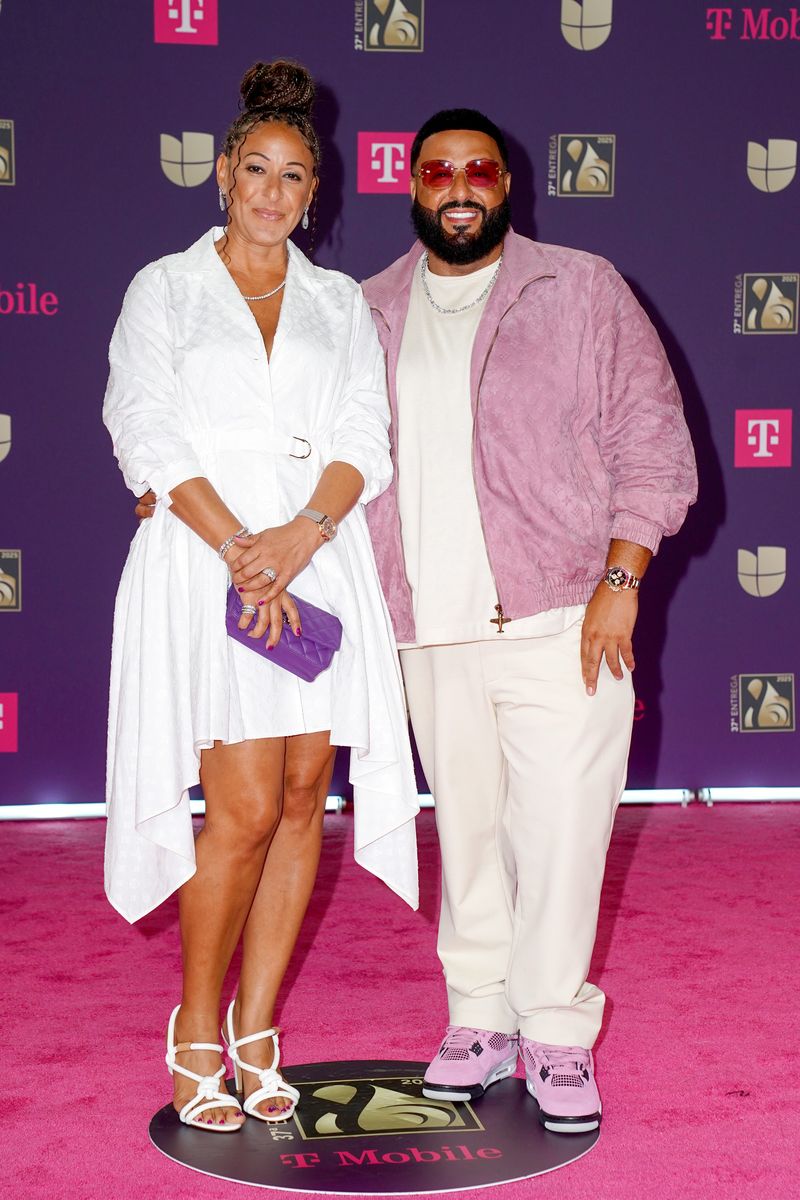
x=278, y=91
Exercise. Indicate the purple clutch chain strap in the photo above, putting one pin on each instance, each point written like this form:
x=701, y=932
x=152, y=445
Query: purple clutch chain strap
x=307, y=655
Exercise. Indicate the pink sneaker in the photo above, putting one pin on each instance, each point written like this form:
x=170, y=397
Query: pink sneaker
x=561, y=1080
x=468, y=1062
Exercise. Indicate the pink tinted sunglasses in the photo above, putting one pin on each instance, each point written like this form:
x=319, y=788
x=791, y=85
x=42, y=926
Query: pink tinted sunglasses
x=438, y=173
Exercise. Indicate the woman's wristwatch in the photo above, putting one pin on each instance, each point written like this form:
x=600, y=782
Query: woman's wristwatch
x=620, y=580
x=326, y=525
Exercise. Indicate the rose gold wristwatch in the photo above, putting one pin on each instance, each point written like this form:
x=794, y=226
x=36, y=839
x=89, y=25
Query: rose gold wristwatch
x=620, y=580
x=326, y=525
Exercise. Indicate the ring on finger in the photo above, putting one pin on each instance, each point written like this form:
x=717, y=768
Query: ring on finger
x=270, y=574
x=249, y=608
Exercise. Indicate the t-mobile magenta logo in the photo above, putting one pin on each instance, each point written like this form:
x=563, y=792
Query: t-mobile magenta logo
x=9, y=736
x=763, y=437
x=383, y=162
x=751, y=24
x=193, y=21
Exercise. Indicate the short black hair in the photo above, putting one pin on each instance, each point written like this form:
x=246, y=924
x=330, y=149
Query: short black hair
x=458, y=118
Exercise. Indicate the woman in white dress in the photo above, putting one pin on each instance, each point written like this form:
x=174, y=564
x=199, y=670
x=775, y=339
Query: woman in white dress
x=246, y=386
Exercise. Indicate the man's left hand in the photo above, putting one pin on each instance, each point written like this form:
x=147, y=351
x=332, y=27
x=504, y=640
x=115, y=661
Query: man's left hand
x=608, y=629
x=145, y=506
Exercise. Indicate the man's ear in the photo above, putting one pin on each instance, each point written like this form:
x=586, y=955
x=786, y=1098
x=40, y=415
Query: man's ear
x=507, y=181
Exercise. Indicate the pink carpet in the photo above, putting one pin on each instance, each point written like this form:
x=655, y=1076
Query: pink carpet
x=698, y=1065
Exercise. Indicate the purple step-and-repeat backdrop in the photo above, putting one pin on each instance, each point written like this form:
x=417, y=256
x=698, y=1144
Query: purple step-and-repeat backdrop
x=662, y=136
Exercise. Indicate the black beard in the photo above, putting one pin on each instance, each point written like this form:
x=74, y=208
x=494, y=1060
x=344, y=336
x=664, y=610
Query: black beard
x=461, y=248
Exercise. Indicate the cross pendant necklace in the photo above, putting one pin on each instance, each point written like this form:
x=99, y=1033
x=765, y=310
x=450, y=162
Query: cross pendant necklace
x=500, y=620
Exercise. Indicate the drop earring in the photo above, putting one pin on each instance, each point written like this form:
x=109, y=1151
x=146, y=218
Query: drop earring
x=304, y=221
x=223, y=201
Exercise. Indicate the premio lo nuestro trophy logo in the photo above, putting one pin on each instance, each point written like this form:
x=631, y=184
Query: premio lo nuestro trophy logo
x=769, y=303
x=581, y=164
x=762, y=573
x=351, y=1108
x=762, y=704
x=771, y=168
x=189, y=160
x=10, y=581
x=7, y=164
x=389, y=25
x=586, y=25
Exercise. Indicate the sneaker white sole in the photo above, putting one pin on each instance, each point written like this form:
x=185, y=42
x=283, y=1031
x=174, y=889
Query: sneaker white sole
x=565, y=1125
x=432, y=1091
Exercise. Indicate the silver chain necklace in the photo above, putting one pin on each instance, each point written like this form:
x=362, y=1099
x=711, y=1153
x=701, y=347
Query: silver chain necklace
x=266, y=295
x=464, y=307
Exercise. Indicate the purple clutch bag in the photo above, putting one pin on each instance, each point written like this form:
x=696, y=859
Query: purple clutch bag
x=307, y=655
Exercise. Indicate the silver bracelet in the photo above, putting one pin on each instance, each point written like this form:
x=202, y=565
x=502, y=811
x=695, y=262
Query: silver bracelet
x=226, y=545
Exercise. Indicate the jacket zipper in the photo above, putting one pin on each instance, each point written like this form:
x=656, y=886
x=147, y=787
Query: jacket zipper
x=392, y=374
x=501, y=619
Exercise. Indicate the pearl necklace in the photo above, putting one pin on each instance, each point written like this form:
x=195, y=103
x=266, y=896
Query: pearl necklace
x=266, y=295
x=464, y=307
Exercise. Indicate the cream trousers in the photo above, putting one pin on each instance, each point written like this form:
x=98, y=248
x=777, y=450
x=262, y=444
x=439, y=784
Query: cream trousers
x=526, y=772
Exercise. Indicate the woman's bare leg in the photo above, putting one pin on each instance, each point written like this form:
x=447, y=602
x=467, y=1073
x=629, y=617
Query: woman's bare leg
x=242, y=785
x=287, y=882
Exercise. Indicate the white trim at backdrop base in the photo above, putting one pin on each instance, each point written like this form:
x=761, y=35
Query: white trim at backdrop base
x=748, y=795
x=682, y=796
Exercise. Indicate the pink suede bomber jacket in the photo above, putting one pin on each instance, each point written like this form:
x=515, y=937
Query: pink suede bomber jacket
x=579, y=434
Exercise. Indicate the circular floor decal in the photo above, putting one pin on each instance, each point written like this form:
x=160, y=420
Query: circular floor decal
x=364, y=1127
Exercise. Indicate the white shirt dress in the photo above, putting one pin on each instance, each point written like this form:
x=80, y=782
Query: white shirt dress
x=191, y=393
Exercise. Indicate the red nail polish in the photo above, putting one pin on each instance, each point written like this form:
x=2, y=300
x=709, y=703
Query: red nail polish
x=298, y=631
x=270, y=648
x=240, y=589
x=261, y=602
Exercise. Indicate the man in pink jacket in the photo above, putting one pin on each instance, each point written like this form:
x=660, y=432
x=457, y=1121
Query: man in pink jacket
x=540, y=456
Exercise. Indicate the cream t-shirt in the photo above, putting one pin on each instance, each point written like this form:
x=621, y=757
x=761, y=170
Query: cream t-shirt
x=447, y=565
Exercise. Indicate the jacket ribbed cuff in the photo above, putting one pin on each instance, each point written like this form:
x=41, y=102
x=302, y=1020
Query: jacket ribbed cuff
x=628, y=528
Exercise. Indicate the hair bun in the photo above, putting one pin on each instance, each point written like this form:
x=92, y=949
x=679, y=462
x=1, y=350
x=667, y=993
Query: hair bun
x=281, y=85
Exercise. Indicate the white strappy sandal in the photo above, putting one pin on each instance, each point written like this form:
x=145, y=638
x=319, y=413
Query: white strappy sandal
x=208, y=1095
x=273, y=1085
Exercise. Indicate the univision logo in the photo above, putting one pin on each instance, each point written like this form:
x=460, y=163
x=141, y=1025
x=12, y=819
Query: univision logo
x=772, y=168
x=762, y=573
x=586, y=25
x=187, y=161
x=5, y=436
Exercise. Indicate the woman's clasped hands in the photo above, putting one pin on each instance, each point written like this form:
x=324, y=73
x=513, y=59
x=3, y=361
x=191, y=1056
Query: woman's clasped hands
x=262, y=566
